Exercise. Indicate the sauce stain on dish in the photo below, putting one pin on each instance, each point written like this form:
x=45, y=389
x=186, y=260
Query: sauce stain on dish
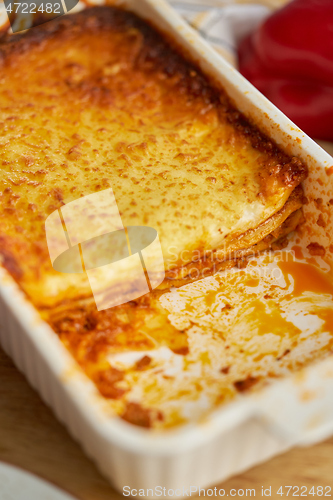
x=264, y=321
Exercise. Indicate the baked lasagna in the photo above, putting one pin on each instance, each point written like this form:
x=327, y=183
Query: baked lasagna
x=100, y=99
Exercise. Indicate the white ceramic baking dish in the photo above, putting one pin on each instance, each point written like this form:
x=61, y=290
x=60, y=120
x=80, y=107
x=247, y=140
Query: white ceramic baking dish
x=236, y=436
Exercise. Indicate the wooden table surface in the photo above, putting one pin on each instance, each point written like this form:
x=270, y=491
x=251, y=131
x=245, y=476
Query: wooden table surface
x=32, y=438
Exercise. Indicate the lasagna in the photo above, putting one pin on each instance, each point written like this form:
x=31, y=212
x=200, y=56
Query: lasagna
x=100, y=99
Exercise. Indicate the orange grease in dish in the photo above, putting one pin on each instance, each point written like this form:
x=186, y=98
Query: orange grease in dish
x=307, y=277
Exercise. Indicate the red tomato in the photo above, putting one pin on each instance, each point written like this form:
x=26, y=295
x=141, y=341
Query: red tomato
x=290, y=60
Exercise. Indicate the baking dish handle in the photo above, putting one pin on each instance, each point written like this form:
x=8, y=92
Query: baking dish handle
x=298, y=437
x=299, y=412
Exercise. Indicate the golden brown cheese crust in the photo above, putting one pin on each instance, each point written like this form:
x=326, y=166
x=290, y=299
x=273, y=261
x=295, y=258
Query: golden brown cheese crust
x=138, y=118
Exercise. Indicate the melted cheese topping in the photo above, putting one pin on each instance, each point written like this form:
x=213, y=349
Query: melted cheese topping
x=99, y=99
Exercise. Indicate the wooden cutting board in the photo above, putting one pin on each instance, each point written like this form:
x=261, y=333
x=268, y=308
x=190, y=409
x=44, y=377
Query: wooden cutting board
x=32, y=438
